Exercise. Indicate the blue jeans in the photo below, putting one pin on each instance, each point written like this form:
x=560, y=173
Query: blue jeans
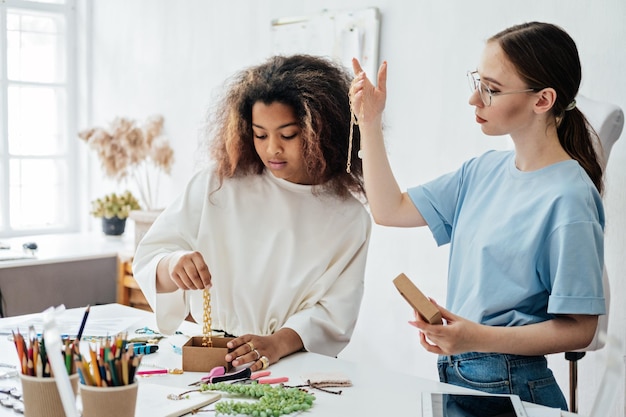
x=527, y=376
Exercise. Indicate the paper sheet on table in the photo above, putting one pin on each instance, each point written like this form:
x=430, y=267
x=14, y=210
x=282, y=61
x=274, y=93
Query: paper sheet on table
x=152, y=401
x=68, y=322
x=542, y=412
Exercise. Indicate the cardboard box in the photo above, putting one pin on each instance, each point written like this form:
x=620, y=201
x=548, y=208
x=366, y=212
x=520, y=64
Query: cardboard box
x=418, y=300
x=198, y=358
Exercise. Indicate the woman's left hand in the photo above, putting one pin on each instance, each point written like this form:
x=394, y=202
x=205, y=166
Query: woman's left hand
x=263, y=351
x=252, y=348
x=456, y=335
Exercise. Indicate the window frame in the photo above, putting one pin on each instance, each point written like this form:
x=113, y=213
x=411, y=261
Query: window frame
x=72, y=221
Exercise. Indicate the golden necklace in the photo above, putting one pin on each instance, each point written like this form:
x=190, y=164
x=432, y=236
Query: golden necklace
x=206, y=319
x=353, y=122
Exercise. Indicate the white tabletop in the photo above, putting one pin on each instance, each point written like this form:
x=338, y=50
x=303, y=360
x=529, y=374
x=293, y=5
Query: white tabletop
x=62, y=248
x=375, y=391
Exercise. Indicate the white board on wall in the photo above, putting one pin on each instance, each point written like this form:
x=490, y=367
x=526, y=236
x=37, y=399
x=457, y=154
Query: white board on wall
x=340, y=35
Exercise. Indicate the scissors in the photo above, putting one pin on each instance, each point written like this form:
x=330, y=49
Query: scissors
x=261, y=377
x=218, y=374
x=245, y=375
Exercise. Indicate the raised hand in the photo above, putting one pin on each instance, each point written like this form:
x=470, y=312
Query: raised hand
x=367, y=100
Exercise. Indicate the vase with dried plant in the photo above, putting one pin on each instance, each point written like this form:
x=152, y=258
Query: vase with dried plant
x=137, y=154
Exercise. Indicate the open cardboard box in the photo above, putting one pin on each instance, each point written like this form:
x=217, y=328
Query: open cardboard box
x=198, y=358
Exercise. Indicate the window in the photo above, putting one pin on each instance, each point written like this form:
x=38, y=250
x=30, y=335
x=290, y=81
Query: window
x=37, y=117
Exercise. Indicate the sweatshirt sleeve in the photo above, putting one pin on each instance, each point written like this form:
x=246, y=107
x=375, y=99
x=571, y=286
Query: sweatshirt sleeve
x=174, y=230
x=327, y=326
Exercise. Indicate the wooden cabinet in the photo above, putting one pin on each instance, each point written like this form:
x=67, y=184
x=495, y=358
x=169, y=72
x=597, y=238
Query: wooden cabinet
x=128, y=292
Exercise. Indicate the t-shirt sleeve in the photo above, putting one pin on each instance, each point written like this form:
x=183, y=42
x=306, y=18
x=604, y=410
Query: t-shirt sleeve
x=573, y=261
x=437, y=202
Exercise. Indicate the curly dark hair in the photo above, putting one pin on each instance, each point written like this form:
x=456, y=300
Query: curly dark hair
x=316, y=88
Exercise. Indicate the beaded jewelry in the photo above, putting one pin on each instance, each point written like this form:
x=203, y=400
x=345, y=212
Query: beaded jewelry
x=273, y=400
x=206, y=319
x=353, y=122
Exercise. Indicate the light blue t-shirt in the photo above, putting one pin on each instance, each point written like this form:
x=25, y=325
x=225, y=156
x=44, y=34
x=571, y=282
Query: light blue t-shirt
x=523, y=245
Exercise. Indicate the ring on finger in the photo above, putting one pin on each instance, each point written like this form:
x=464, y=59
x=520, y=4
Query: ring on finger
x=265, y=361
x=258, y=355
x=251, y=345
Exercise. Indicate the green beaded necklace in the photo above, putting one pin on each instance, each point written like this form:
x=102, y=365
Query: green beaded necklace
x=273, y=401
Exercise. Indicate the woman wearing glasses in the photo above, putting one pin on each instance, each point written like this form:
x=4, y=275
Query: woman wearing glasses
x=525, y=226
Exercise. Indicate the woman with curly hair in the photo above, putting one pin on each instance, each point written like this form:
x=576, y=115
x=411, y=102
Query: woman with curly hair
x=276, y=227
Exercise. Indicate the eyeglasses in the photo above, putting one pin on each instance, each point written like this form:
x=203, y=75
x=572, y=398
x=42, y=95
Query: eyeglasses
x=485, y=92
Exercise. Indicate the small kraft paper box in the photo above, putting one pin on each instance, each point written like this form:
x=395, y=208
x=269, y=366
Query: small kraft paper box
x=198, y=358
x=417, y=300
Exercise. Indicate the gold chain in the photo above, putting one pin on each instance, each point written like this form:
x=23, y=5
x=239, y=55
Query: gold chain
x=206, y=319
x=353, y=122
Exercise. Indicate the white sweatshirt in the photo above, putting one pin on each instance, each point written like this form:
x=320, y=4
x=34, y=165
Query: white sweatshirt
x=279, y=256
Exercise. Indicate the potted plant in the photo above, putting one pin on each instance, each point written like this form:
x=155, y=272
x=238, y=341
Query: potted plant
x=114, y=210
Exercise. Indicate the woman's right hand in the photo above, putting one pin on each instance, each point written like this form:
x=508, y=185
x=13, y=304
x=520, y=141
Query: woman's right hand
x=367, y=100
x=186, y=270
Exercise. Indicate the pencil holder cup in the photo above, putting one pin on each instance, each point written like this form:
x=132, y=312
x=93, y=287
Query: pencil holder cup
x=109, y=401
x=41, y=396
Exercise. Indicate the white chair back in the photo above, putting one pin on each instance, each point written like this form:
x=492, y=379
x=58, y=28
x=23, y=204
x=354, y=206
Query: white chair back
x=608, y=122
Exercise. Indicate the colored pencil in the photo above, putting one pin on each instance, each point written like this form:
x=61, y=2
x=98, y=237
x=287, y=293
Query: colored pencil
x=82, y=324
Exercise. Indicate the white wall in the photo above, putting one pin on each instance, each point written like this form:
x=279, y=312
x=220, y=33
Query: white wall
x=159, y=56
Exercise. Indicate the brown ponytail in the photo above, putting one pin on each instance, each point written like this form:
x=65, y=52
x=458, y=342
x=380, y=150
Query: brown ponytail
x=577, y=138
x=546, y=56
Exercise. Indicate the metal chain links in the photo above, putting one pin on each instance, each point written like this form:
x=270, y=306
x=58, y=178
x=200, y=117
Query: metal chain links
x=206, y=319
